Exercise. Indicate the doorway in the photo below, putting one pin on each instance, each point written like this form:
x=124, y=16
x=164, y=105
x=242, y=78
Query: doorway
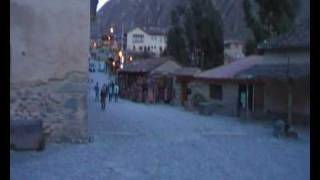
x=245, y=99
x=184, y=92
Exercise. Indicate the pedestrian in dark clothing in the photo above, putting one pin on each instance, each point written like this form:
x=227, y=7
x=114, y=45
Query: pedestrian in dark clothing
x=96, y=89
x=110, y=91
x=103, y=95
x=116, y=92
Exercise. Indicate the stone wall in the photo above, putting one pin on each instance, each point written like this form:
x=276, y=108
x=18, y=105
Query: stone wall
x=49, y=65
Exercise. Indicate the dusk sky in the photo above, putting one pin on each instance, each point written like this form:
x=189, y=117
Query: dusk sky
x=101, y=3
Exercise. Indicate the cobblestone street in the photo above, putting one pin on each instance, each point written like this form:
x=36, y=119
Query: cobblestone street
x=140, y=141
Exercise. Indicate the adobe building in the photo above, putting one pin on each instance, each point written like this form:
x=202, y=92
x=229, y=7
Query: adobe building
x=49, y=43
x=276, y=84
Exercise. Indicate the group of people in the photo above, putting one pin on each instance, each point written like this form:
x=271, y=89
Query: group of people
x=111, y=90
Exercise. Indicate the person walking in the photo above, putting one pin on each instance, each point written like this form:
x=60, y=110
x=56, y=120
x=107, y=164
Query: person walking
x=96, y=89
x=103, y=96
x=110, y=89
x=116, y=92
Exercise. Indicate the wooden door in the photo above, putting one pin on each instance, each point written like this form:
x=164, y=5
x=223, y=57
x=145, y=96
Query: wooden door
x=184, y=92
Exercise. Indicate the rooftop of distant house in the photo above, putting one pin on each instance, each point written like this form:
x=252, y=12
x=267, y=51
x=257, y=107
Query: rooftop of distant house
x=152, y=30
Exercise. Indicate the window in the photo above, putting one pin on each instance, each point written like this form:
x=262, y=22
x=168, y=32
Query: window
x=215, y=91
x=140, y=48
x=160, y=48
x=137, y=38
x=134, y=47
x=148, y=48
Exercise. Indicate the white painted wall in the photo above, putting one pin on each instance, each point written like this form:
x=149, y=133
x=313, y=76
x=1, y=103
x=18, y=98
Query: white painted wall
x=152, y=41
x=234, y=50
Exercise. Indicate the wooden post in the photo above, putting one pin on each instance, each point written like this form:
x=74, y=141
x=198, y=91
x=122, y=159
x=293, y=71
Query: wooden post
x=290, y=104
x=289, y=93
x=247, y=101
x=253, y=98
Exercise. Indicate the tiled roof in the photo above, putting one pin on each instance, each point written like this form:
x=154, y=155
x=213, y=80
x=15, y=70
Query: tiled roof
x=299, y=37
x=276, y=71
x=152, y=30
x=186, y=71
x=143, y=66
x=166, y=68
x=229, y=71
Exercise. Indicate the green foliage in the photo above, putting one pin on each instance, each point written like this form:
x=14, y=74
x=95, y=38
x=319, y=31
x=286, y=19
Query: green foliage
x=273, y=17
x=196, y=35
x=197, y=99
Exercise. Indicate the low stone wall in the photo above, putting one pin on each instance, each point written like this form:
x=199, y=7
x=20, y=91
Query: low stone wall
x=60, y=103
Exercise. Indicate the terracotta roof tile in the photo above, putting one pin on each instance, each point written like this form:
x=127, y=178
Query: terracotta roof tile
x=143, y=66
x=229, y=71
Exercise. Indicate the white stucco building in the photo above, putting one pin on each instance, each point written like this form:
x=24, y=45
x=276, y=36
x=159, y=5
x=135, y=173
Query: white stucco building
x=139, y=40
x=233, y=50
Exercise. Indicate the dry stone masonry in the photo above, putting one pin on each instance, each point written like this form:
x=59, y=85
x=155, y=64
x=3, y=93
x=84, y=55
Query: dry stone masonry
x=49, y=66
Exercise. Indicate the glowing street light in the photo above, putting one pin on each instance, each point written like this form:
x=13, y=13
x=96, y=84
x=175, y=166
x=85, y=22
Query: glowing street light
x=111, y=30
x=121, y=66
x=130, y=58
x=120, y=54
x=113, y=63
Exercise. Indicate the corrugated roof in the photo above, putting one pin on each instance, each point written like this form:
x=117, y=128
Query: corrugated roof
x=299, y=37
x=143, y=66
x=229, y=71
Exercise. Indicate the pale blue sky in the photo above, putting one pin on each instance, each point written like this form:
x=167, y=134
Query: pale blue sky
x=101, y=3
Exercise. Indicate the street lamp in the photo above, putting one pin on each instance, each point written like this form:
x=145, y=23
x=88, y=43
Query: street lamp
x=130, y=58
x=111, y=30
x=120, y=54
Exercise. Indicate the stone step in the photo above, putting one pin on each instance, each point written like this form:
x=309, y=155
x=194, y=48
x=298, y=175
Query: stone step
x=27, y=135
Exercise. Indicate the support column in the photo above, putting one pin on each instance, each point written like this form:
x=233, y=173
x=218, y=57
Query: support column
x=247, y=101
x=290, y=105
x=253, y=98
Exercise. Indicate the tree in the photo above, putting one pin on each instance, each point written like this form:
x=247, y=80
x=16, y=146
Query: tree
x=196, y=35
x=176, y=45
x=273, y=17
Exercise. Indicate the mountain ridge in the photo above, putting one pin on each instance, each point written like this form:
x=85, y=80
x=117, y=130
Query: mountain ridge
x=156, y=13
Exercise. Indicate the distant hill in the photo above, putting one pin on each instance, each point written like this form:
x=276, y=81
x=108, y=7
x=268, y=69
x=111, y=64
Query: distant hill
x=156, y=13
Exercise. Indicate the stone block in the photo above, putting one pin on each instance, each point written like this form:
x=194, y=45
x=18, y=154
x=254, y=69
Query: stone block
x=26, y=135
x=72, y=104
